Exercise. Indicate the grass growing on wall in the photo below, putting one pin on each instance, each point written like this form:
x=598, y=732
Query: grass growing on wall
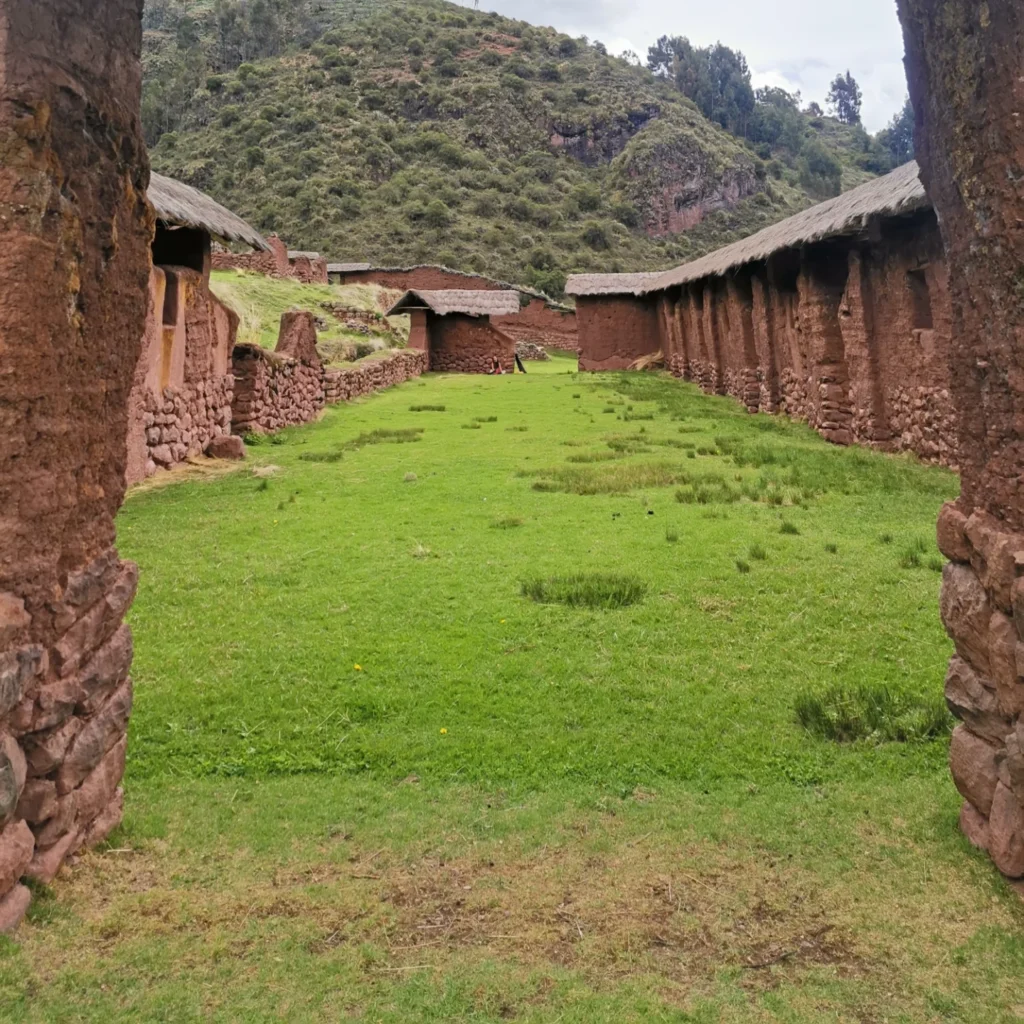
x=259, y=302
x=370, y=779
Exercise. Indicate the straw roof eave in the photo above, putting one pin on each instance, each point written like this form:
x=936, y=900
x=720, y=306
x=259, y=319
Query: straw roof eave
x=467, y=302
x=179, y=205
x=899, y=193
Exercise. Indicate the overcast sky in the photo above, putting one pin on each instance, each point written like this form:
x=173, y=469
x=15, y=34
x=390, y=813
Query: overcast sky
x=796, y=44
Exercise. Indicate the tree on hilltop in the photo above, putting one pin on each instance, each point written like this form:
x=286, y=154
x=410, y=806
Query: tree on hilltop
x=844, y=99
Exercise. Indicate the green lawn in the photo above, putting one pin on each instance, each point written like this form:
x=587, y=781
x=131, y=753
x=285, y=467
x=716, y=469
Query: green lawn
x=371, y=780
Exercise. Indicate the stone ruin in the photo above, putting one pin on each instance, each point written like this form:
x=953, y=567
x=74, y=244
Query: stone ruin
x=528, y=350
x=79, y=229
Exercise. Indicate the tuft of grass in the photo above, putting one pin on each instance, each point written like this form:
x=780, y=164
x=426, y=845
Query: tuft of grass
x=507, y=523
x=332, y=456
x=576, y=394
x=584, y=457
x=426, y=408
x=936, y=564
x=913, y=555
x=405, y=435
x=790, y=529
x=471, y=426
x=586, y=590
x=410, y=478
x=878, y=712
x=617, y=477
x=742, y=567
x=517, y=430
x=757, y=553
x=832, y=549
x=485, y=419
x=608, y=408
x=885, y=538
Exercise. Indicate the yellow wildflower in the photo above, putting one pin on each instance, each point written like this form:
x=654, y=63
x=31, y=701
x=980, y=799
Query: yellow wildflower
x=444, y=732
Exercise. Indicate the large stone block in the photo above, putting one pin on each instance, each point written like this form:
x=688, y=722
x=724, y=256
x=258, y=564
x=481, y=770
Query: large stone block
x=45, y=864
x=44, y=751
x=108, y=667
x=95, y=738
x=974, y=701
x=13, y=772
x=14, y=620
x=38, y=801
x=1006, y=832
x=972, y=762
x=13, y=908
x=966, y=614
x=17, y=670
x=995, y=553
x=950, y=534
x=974, y=826
x=16, y=847
x=99, y=786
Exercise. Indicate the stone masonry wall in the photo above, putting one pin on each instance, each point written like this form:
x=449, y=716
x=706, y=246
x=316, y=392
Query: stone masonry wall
x=273, y=263
x=465, y=344
x=342, y=385
x=74, y=262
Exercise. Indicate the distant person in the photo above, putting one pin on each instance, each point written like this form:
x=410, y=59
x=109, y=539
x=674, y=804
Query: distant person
x=496, y=365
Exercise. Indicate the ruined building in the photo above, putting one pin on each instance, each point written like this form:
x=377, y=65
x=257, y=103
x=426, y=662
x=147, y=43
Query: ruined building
x=839, y=316
x=539, y=319
x=454, y=328
x=182, y=389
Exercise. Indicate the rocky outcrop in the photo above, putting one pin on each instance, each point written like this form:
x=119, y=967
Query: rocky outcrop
x=601, y=141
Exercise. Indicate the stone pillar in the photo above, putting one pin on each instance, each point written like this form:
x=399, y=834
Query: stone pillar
x=744, y=384
x=765, y=343
x=75, y=233
x=963, y=65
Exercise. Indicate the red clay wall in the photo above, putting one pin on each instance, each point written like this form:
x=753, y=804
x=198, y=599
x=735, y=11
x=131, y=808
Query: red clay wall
x=537, y=322
x=74, y=261
x=851, y=337
x=308, y=271
x=466, y=344
x=182, y=388
x=615, y=330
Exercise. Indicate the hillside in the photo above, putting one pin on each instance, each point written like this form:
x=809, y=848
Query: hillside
x=425, y=132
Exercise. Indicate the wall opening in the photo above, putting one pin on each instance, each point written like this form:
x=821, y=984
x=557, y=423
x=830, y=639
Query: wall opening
x=180, y=247
x=170, y=313
x=920, y=299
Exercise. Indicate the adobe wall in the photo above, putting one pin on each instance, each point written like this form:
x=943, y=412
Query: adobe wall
x=308, y=271
x=273, y=263
x=964, y=76
x=537, y=321
x=182, y=388
x=615, y=330
x=466, y=344
x=74, y=261
x=852, y=337
x=539, y=324
x=344, y=384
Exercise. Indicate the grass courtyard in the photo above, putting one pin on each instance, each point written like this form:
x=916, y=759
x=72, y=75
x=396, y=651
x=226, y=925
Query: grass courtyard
x=515, y=698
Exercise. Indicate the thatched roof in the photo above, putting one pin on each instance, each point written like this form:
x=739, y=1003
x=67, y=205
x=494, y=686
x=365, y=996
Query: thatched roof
x=895, y=194
x=179, y=204
x=610, y=284
x=300, y=254
x=457, y=300
x=346, y=268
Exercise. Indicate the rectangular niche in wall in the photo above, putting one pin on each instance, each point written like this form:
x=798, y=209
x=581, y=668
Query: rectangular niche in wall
x=920, y=300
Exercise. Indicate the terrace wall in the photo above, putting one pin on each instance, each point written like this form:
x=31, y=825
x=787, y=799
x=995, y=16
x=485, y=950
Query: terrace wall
x=74, y=262
x=615, y=330
x=537, y=321
x=850, y=337
x=466, y=344
x=342, y=385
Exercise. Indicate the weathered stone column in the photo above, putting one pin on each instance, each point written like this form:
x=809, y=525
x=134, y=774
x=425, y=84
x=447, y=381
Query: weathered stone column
x=75, y=232
x=964, y=67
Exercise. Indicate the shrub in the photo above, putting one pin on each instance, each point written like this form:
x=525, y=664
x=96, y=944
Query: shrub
x=595, y=235
x=586, y=590
x=871, y=712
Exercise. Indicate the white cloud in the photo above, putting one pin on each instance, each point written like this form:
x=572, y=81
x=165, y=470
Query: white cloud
x=796, y=44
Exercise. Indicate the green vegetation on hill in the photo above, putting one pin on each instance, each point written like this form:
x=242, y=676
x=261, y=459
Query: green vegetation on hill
x=417, y=131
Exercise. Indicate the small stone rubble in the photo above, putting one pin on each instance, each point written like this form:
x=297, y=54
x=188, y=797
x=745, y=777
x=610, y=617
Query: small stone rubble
x=529, y=350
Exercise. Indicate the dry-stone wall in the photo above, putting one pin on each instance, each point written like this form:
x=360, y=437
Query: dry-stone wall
x=341, y=385
x=528, y=350
x=181, y=422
